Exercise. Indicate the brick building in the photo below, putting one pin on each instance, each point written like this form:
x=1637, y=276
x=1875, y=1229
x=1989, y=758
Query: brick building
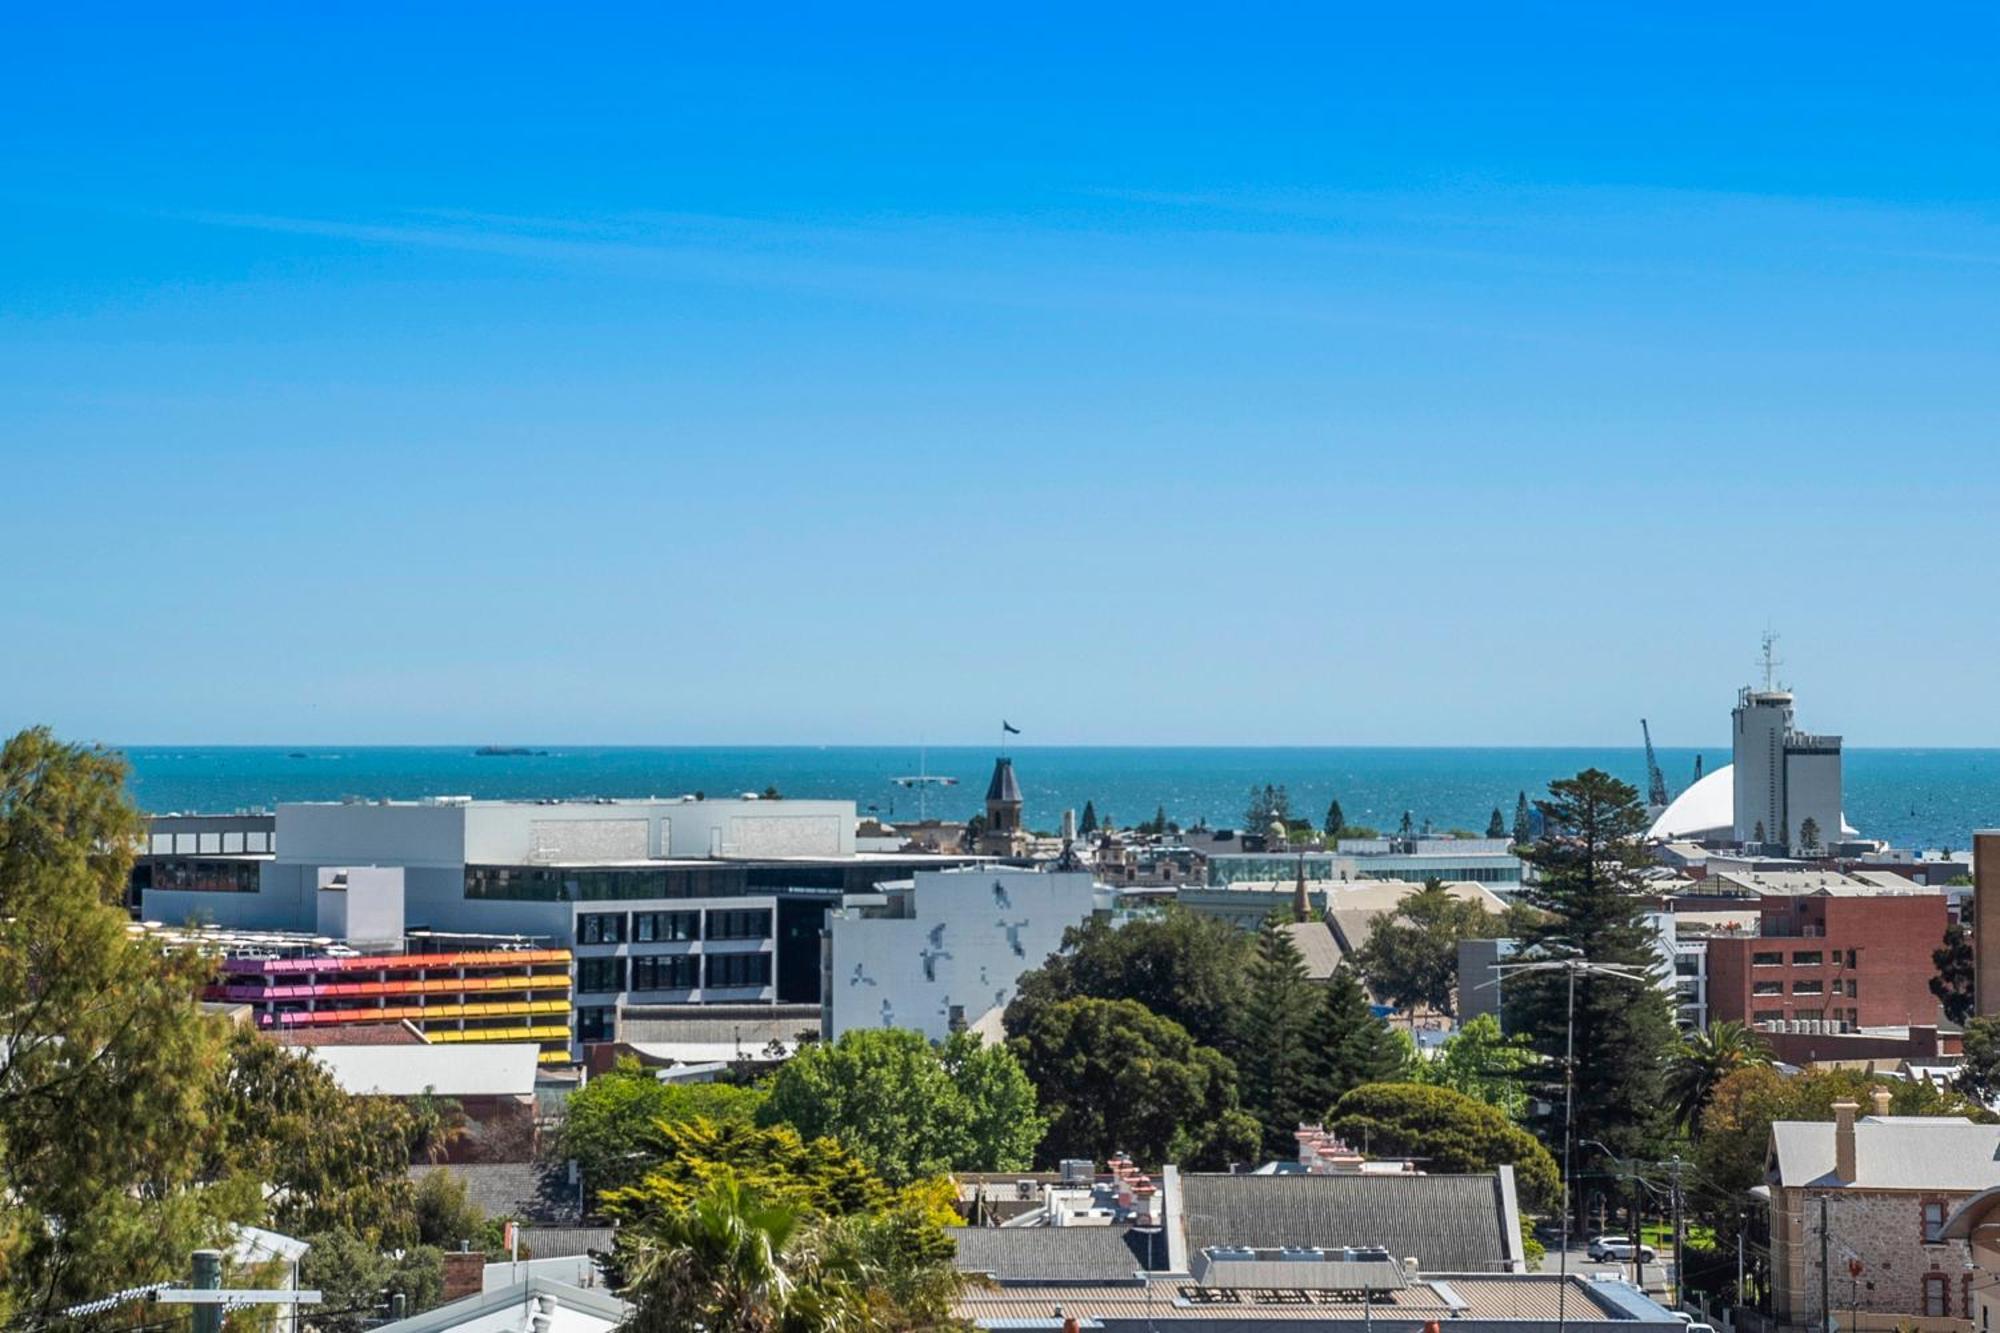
x=1843, y=957
x=1890, y=1184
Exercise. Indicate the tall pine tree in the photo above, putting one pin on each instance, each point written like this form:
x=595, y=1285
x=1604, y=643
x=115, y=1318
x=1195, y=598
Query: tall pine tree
x=1524, y=826
x=1336, y=820
x=1496, y=827
x=1590, y=884
x=1355, y=1046
x=1276, y=1041
x=1088, y=824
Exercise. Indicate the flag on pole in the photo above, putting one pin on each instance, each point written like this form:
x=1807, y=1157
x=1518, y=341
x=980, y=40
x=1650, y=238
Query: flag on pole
x=1009, y=728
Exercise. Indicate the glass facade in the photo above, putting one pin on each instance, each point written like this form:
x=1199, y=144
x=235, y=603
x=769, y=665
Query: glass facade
x=194, y=876
x=600, y=928
x=631, y=883
x=600, y=974
x=596, y=1023
x=649, y=927
x=673, y=971
x=739, y=969
x=747, y=924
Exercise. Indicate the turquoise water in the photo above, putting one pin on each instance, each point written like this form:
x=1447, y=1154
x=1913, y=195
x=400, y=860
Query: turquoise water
x=1927, y=798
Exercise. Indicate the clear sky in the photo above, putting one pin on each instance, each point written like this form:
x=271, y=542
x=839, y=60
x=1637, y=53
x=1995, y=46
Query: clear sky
x=1419, y=374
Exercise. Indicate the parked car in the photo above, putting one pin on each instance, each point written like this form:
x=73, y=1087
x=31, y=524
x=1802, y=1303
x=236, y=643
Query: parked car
x=1618, y=1249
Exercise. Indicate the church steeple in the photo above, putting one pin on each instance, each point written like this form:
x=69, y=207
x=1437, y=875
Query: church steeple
x=1302, y=908
x=1003, y=799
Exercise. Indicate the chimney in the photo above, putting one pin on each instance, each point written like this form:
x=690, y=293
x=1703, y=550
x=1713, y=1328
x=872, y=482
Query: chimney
x=1880, y=1096
x=1843, y=1141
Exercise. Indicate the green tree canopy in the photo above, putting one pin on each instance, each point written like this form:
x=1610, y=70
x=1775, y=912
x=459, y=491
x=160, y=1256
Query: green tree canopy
x=1481, y=1062
x=332, y=1162
x=1336, y=819
x=104, y=1112
x=1953, y=983
x=1979, y=1076
x=352, y=1274
x=1704, y=1060
x=1355, y=1046
x=1113, y=1076
x=1189, y=968
x=610, y=1121
x=1088, y=824
x=1277, y=1040
x=1449, y=1130
x=1411, y=955
x=1496, y=827
x=1524, y=827
x=820, y=1176
x=907, y=1108
x=1591, y=887
x=1736, y=1125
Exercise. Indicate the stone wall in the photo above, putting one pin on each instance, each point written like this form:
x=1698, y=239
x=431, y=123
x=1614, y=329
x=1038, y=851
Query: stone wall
x=1883, y=1229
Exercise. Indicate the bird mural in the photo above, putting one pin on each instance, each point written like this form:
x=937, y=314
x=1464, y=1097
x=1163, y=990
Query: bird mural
x=1013, y=929
x=1001, y=898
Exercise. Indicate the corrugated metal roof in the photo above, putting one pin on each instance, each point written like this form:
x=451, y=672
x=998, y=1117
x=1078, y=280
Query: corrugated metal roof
x=1317, y=947
x=1445, y=1222
x=460, y=1069
x=1067, y=1254
x=1891, y=1153
x=1483, y=1297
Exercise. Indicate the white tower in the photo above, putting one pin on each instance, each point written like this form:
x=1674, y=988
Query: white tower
x=1787, y=782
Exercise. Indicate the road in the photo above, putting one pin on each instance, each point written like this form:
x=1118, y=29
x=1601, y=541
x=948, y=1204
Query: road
x=1581, y=1263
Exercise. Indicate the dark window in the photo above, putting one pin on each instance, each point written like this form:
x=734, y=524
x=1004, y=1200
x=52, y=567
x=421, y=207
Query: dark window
x=205, y=876
x=656, y=927
x=595, y=1024
x=1807, y=958
x=1937, y=1296
x=1934, y=1211
x=1767, y=960
x=740, y=924
x=1808, y=988
x=676, y=971
x=739, y=969
x=601, y=928
x=600, y=974
x=514, y=883
x=1767, y=988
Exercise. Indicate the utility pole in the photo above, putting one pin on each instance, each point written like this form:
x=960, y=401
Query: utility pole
x=1825, y=1271
x=207, y=1277
x=1674, y=1273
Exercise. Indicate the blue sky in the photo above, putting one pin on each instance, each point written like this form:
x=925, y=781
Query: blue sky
x=1429, y=375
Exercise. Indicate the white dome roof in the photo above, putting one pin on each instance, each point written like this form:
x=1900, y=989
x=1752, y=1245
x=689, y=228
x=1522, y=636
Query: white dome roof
x=1707, y=810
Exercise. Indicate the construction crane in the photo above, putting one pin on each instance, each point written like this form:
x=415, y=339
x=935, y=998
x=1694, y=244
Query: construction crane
x=1656, y=781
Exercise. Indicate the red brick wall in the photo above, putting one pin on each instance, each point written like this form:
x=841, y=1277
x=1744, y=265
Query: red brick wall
x=1892, y=937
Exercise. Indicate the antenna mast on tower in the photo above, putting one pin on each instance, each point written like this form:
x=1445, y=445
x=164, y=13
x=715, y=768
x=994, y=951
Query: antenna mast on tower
x=1771, y=662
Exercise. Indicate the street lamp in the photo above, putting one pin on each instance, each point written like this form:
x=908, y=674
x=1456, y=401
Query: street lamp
x=1572, y=967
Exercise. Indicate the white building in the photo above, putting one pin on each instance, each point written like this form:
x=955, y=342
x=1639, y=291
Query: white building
x=1787, y=782
x=944, y=950
x=663, y=901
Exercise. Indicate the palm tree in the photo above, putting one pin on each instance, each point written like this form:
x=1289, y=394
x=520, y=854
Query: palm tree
x=1704, y=1060
x=729, y=1262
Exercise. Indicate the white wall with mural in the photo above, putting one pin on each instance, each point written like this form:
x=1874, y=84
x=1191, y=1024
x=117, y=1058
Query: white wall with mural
x=968, y=938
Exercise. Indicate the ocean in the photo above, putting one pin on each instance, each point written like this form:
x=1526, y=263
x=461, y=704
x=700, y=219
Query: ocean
x=1913, y=798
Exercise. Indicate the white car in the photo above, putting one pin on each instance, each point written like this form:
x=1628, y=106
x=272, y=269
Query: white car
x=1618, y=1249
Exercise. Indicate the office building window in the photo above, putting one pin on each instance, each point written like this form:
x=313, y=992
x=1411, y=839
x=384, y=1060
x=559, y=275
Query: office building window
x=1808, y=958
x=739, y=969
x=677, y=971
x=205, y=876
x=1767, y=960
x=514, y=884
x=596, y=1024
x=1767, y=988
x=600, y=974
x=658, y=927
x=1768, y=1016
x=1933, y=1215
x=740, y=924
x=1808, y=988
x=601, y=928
